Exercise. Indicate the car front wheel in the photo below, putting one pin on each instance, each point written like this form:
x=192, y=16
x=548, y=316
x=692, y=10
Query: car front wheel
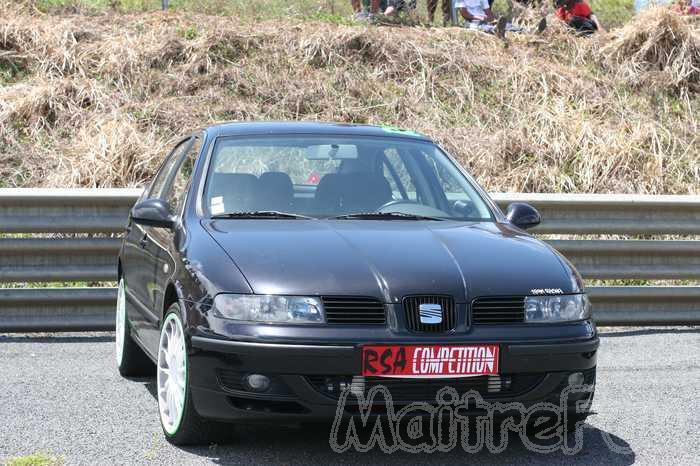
x=180, y=421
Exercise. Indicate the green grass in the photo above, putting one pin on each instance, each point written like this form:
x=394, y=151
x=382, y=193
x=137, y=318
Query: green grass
x=11, y=71
x=243, y=9
x=35, y=459
x=612, y=13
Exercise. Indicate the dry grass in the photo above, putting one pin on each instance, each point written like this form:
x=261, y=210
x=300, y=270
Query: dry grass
x=97, y=100
x=660, y=49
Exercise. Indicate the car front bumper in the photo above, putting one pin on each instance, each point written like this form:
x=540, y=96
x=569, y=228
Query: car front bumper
x=538, y=371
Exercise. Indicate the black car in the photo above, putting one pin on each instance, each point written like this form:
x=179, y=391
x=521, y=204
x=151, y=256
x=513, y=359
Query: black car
x=270, y=266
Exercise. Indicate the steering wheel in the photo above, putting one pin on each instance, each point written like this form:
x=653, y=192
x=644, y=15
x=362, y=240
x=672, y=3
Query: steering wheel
x=394, y=202
x=406, y=206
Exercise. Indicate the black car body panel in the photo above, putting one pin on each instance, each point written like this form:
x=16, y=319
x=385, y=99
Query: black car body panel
x=390, y=260
x=200, y=258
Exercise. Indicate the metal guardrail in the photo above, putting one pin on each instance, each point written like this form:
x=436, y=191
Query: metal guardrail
x=607, y=214
x=83, y=257
x=65, y=210
x=633, y=259
x=57, y=309
x=646, y=305
x=58, y=259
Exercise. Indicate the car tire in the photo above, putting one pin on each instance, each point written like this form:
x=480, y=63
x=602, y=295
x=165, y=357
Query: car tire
x=181, y=423
x=131, y=359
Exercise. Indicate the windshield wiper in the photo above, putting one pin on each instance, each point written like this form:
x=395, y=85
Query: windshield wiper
x=271, y=214
x=384, y=216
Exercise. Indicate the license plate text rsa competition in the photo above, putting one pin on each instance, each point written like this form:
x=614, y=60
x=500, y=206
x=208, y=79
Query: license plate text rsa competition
x=429, y=361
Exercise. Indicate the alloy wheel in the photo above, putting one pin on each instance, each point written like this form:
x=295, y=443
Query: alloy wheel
x=172, y=373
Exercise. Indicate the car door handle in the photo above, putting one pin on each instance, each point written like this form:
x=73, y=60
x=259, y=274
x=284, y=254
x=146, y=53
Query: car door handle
x=144, y=242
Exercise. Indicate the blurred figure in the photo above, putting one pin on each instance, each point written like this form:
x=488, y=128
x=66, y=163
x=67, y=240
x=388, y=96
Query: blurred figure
x=394, y=7
x=366, y=9
x=475, y=12
x=477, y=15
x=640, y=5
x=578, y=15
x=694, y=8
x=687, y=7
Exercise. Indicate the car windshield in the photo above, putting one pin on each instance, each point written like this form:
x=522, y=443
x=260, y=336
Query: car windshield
x=338, y=177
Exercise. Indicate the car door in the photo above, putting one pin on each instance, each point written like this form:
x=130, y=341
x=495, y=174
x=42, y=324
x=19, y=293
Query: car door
x=140, y=256
x=169, y=242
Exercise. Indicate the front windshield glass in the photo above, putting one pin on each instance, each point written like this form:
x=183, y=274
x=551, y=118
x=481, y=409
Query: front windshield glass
x=327, y=176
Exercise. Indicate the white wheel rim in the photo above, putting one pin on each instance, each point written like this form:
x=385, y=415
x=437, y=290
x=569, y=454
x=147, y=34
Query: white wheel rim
x=172, y=373
x=120, y=324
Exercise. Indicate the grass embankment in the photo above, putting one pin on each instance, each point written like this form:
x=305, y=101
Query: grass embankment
x=96, y=100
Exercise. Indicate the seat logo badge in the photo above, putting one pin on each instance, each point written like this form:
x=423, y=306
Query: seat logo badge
x=430, y=313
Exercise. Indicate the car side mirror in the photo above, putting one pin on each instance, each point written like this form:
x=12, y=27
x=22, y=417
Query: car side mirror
x=153, y=213
x=523, y=215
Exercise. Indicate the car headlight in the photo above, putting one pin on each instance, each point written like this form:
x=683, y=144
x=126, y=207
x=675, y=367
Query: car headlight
x=269, y=308
x=560, y=308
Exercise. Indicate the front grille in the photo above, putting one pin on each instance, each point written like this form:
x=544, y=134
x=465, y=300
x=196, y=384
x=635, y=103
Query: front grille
x=351, y=310
x=426, y=389
x=411, y=305
x=498, y=310
x=267, y=406
x=409, y=390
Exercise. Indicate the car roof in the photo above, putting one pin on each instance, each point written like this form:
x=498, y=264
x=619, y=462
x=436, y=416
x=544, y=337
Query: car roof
x=314, y=128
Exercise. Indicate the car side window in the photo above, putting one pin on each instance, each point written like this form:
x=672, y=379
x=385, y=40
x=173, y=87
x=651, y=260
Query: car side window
x=176, y=193
x=453, y=188
x=159, y=183
x=448, y=179
x=397, y=175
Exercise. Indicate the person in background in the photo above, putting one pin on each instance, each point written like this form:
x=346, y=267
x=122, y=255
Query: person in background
x=687, y=7
x=694, y=8
x=640, y=5
x=477, y=15
x=366, y=9
x=578, y=15
x=394, y=7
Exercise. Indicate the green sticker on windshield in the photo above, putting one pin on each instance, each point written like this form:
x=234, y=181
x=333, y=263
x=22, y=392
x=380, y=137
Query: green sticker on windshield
x=397, y=130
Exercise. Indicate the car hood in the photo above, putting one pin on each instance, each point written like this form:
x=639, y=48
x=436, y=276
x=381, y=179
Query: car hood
x=390, y=259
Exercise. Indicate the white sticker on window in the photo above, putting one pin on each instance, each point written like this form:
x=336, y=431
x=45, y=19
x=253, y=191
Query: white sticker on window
x=217, y=205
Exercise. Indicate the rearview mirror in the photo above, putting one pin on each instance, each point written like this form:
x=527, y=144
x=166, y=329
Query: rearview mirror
x=331, y=152
x=153, y=213
x=523, y=215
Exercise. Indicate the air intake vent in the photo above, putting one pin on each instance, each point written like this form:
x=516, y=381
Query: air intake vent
x=498, y=310
x=350, y=310
x=430, y=313
x=424, y=390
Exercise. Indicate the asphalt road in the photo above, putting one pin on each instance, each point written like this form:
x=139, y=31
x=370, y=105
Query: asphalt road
x=61, y=394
